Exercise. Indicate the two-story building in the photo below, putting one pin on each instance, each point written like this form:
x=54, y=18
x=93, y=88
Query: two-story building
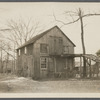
x=44, y=54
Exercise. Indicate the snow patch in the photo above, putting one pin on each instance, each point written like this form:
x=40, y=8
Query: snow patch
x=17, y=79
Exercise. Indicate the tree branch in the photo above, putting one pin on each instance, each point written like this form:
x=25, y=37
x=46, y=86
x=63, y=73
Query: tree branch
x=88, y=15
x=63, y=22
x=75, y=14
x=7, y=52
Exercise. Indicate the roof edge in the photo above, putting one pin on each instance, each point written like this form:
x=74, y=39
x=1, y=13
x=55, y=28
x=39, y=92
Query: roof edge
x=38, y=38
x=45, y=32
x=66, y=36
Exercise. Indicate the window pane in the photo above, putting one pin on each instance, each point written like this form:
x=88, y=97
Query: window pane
x=43, y=48
x=30, y=49
x=66, y=49
x=19, y=52
x=43, y=65
x=25, y=50
x=43, y=62
x=60, y=40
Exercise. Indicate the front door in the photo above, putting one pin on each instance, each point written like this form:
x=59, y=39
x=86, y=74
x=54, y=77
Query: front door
x=60, y=64
x=43, y=66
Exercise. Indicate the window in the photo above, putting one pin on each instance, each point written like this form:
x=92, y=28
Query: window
x=19, y=52
x=43, y=48
x=65, y=49
x=43, y=62
x=29, y=49
x=25, y=50
x=60, y=40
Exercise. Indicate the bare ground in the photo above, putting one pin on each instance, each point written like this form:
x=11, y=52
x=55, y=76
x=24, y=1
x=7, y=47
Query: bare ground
x=13, y=84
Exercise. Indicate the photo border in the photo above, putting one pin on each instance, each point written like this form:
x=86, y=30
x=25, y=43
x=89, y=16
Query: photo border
x=45, y=96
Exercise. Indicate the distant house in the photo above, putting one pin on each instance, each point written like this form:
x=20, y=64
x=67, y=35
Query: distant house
x=43, y=55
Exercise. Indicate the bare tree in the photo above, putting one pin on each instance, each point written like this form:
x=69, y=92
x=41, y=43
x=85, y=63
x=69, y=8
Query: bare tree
x=5, y=54
x=21, y=31
x=2, y=46
x=8, y=48
x=80, y=15
x=1, y=67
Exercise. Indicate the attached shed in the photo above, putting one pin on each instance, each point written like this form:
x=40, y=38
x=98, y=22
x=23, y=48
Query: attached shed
x=42, y=56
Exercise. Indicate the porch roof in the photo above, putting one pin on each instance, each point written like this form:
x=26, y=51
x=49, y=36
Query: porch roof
x=88, y=56
x=67, y=55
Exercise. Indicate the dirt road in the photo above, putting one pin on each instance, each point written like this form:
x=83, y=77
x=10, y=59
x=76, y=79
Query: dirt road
x=14, y=84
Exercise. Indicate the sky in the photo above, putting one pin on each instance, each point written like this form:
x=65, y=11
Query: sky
x=43, y=12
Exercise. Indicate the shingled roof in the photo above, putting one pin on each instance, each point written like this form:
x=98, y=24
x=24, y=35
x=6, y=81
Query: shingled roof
x=39, y=36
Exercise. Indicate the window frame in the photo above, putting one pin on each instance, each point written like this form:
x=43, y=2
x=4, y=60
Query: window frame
x=25, y=50
x=46, y=63
x=19, y=52
x=67, y=50
x=46, y=48
x=60, y=40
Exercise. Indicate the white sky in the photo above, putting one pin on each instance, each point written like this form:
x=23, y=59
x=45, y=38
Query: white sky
x=43, y=12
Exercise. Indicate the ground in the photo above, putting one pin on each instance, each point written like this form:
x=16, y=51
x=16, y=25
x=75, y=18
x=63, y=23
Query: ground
x=13, y=84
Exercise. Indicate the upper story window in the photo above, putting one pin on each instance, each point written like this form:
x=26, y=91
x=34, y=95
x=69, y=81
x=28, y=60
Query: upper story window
x=65, y=49
x=60, y=40
x=43, y=48
x=19, y=52
x=29, y=49
x=25, y=50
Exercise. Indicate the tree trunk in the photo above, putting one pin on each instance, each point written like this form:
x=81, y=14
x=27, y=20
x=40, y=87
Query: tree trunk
x=83, y=46
x=7, y=61
x=1, y=69
x=14, y=61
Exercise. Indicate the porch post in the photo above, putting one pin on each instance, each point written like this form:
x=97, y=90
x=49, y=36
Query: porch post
x=97, y=69
x=80, y=66
x=55, y=64
x=90, y=68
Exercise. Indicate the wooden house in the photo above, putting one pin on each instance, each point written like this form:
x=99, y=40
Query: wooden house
x=43, y=55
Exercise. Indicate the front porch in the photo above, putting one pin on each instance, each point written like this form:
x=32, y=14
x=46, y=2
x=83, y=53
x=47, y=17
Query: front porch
x=91, y=70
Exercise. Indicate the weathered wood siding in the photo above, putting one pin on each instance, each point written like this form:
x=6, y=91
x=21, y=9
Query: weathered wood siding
x=56, y=48
x=25, y=62
x=60, y=64
x=53, y=48
x=36, y=53
x=31, y=61
x=70, y=62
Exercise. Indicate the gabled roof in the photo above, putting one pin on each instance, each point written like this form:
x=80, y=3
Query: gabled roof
x=39, y=36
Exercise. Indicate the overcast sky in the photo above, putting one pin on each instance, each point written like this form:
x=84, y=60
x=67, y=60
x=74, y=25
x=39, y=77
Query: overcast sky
x=43, y=12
